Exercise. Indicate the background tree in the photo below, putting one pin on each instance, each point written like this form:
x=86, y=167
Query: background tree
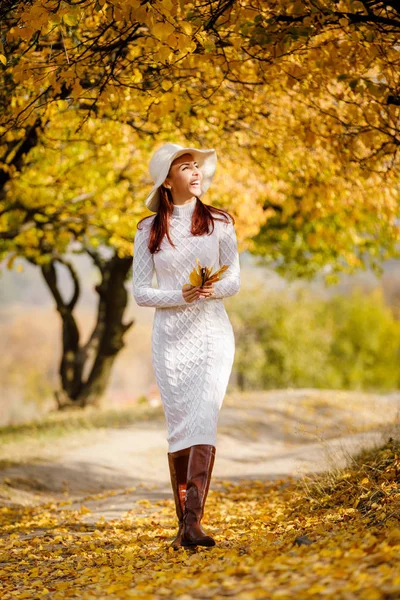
x=299, y=99
x=85, y=194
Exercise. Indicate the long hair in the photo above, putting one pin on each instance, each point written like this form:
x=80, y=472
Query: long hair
x=202, y=219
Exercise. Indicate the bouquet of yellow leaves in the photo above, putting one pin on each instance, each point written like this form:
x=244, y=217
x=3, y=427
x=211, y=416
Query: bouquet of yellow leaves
x=202, y=275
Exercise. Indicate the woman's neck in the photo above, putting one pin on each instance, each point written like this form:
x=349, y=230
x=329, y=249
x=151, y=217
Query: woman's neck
x=184, y=210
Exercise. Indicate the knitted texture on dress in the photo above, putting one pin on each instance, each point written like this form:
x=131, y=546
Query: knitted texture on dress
x=193, y=343
x=173, y=266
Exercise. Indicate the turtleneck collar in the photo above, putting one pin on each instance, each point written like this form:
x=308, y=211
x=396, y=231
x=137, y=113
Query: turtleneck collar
x=184, y=210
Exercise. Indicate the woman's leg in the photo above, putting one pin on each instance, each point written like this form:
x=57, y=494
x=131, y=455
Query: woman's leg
x=199, y=470
x=178, y=465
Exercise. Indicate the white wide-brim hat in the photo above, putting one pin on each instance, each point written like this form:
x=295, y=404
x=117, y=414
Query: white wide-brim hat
x=160, y=164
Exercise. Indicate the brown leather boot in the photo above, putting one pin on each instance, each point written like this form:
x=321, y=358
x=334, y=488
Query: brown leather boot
x=178, y=463
x=200, y=466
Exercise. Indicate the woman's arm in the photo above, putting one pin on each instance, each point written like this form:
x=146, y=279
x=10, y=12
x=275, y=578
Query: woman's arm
x=228, y=255
x=143, y=267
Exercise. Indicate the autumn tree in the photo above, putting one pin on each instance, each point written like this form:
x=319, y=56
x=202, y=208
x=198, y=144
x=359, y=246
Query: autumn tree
x=300, y=99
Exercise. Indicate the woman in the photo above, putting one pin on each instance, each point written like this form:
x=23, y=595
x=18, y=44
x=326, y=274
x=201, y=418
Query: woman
x=193, y=343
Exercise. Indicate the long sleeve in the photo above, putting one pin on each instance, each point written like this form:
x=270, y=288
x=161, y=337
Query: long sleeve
x=228, y=255
x=143, y=267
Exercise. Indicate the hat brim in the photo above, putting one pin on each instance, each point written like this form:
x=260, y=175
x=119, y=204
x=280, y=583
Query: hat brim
x=207, y=161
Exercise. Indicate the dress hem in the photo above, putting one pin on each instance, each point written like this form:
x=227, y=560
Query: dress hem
x=192, y=441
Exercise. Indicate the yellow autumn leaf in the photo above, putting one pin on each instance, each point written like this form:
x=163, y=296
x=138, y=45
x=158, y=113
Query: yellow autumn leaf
x=162, y=30
x=195, y=278
x=70, y=19
x=166, y=85
x=11, y=260
x=187, y=28
x=201, y=275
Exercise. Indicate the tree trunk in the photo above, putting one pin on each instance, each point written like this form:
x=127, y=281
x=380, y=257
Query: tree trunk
x=97, y=356
x=113, y=300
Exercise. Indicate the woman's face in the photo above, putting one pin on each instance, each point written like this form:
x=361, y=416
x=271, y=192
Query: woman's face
x=184, y=178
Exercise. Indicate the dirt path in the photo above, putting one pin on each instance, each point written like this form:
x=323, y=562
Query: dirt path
x=264, y=435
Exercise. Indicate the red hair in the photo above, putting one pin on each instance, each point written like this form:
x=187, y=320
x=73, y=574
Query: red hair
x=202, y=218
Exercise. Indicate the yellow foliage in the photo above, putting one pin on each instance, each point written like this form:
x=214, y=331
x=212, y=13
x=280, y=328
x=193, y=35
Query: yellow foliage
x=275, y=539
x=162, y=30
x=297, y=111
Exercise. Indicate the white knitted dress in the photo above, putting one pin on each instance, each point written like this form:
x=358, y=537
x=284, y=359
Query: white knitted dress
x=193, y=344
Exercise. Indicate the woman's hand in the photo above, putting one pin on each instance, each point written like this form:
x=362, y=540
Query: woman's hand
x=190, y=292
x=207, y=290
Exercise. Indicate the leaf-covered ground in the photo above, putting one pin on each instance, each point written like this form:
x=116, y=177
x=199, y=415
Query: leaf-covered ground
x=335, y=536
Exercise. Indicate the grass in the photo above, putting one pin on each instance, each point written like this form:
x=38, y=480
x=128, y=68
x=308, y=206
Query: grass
x=369, y=483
